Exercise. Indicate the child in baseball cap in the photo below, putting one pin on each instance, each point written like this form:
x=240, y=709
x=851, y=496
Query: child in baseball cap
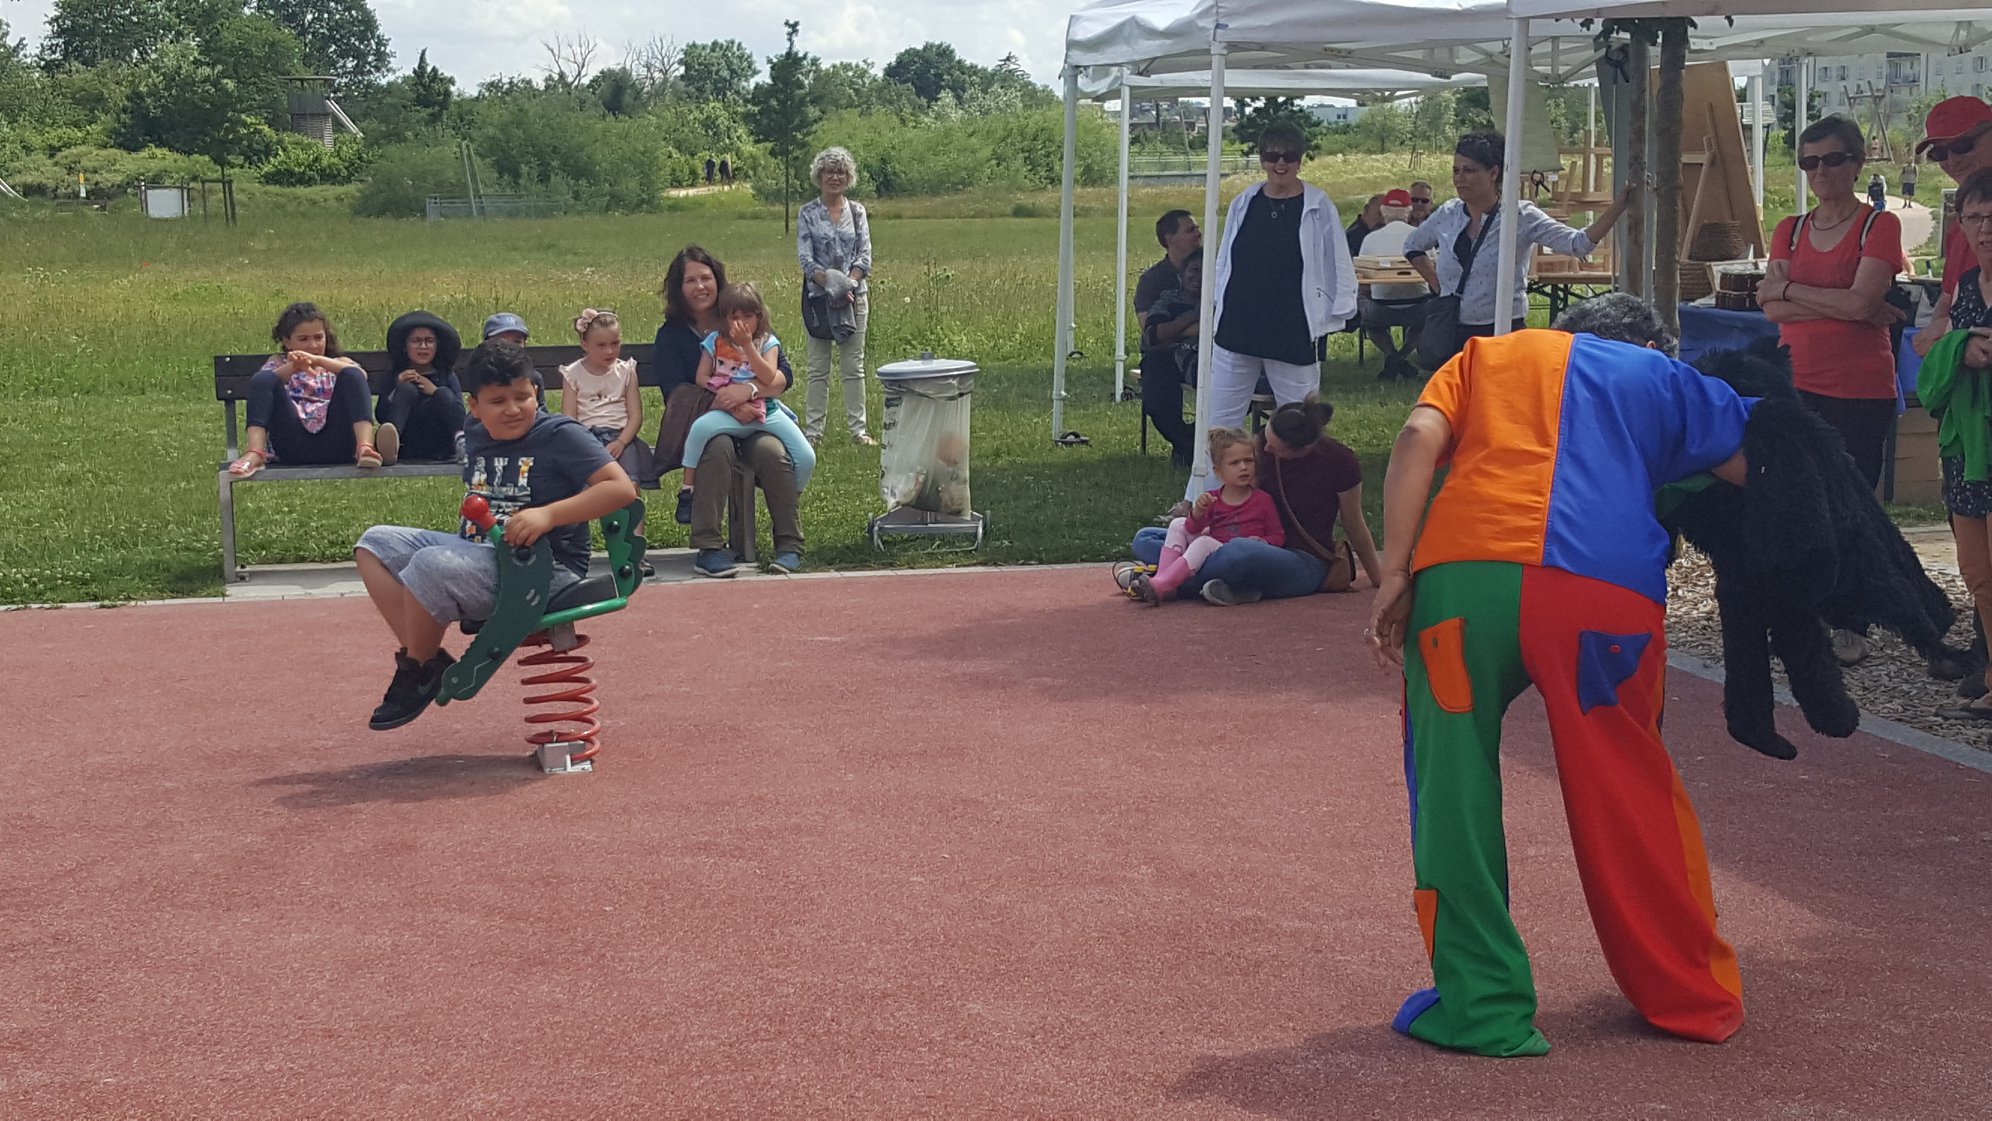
x=506, y=325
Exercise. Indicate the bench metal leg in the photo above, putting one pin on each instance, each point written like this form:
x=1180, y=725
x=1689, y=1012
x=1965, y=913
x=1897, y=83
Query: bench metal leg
x=229, y=574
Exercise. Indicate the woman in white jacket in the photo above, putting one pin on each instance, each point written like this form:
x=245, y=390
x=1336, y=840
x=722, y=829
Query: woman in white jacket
x=1284, y=279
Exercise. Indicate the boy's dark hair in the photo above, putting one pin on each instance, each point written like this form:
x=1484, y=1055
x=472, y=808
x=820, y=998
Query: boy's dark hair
x=675, y=308
x=1166, y=226
x=1836, y=128
x=496, y=362
x=1298, y=424
x=299, y=314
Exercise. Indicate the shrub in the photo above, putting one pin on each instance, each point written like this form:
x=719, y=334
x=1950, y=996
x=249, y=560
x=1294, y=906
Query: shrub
x=403, y=177
x=300, y=161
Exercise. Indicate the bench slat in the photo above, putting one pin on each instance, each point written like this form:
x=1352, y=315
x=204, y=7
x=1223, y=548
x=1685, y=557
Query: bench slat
x=403, y=470
x=233, y=371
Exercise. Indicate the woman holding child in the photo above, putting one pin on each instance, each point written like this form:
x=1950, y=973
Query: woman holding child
x=1314, y=482
x=692, y=287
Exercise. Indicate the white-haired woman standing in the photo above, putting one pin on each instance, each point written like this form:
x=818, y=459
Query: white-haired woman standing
x=833, y=241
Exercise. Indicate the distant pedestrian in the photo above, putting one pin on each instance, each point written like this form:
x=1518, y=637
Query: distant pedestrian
x=726, y=171
x=1878, y=191
x=1908, y=184
x=710, y=166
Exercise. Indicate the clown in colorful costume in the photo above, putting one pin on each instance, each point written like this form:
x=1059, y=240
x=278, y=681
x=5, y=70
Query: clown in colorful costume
x=1540, y=562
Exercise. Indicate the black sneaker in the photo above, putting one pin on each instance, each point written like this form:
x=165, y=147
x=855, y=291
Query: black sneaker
x=415, y=685
x=683, y=515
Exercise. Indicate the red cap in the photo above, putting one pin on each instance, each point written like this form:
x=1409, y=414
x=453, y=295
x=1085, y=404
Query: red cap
x=1951, y=118
x=1398, y=197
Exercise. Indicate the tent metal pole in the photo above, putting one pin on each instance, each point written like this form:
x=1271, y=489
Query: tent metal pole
x=1120, y=247
x=1757, y=140
x=1511, y=180
x=1065, y=324
x=1207, y=298
x=1800, y=103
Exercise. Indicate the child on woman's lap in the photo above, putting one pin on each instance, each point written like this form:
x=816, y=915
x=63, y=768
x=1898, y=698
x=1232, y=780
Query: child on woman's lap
x=1236, y=510
x=744, y=354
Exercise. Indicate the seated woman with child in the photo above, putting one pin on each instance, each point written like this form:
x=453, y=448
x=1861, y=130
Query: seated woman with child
x=1314, y=482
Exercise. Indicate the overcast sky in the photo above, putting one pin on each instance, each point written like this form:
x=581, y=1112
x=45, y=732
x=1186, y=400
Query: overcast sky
x=477, y=39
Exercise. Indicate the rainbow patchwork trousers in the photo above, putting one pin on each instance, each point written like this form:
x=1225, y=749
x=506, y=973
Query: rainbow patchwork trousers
x=1480, y=634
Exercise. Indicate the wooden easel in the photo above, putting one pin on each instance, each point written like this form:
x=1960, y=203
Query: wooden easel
x=1715, y=174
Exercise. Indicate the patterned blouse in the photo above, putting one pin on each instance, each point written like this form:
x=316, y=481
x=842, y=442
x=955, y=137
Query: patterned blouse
x=1445, y=229
x=822, y=243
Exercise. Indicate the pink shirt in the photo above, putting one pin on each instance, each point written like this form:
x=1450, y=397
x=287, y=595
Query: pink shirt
x=1254, y=517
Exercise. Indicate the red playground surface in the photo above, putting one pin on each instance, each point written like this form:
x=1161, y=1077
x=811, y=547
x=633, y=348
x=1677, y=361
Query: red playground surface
x=989, y=845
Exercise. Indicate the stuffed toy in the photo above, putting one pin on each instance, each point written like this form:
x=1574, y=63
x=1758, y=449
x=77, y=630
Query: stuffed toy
x=1801, y=548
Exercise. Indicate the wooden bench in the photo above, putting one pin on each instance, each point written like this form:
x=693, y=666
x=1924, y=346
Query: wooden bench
x=231, y=387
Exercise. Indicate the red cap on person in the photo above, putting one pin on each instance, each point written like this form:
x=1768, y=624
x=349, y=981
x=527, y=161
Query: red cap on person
x=1951, y=118
x=1397, y=197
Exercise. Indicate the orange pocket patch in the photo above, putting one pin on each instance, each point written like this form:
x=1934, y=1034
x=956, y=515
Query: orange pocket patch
x=1442, y=646
x=1427, y=901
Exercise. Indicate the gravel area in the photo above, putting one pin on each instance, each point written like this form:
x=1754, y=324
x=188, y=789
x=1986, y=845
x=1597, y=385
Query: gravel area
x=1891, y=683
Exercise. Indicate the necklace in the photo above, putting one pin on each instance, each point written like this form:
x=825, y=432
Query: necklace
x=1820, y=229
x=1277, y=206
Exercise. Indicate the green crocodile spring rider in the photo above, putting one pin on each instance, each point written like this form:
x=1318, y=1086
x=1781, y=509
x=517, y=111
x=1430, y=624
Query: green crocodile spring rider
x=526, y=615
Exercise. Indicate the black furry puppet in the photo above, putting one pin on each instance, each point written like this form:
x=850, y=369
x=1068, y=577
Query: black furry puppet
x=1802, y=547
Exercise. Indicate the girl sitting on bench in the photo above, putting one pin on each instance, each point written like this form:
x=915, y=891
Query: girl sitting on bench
x=309, y=404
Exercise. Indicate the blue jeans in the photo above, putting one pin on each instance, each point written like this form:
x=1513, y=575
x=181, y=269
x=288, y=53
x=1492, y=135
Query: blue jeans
x=1244, y=566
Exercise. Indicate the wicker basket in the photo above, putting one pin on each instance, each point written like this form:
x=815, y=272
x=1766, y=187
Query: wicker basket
x=1717, y=241
x=1694, y=281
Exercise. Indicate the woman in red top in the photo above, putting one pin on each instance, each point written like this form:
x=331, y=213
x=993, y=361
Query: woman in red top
x=1826, y=289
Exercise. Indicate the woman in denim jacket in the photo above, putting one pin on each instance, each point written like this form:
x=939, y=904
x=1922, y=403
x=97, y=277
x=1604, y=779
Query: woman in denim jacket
x=833, y=242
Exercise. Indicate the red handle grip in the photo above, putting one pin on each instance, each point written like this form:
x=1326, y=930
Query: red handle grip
x=477, y=511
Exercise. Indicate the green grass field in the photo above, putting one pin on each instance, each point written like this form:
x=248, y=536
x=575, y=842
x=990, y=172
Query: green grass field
x=109, y=434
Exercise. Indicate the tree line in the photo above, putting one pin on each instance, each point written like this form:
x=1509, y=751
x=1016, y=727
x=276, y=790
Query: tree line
x=169, y=90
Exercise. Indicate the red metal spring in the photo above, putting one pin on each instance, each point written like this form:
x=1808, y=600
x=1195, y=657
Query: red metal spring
x=577, y=688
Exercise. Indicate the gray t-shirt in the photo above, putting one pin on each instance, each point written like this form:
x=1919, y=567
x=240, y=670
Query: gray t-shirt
x=551, y=462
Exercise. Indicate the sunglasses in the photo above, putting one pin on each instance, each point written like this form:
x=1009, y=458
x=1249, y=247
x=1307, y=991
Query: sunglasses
x=1279, y=157
x=1961, y=146
x=1830, y=159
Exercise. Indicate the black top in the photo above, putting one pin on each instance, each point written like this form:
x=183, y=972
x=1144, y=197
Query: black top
x=552, y=462
x=675, y=358
x=1264, y=316
x=1357, y=231
x=448, y=347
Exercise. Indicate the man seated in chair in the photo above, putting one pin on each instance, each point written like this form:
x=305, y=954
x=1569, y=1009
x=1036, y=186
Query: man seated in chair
x=1393, y=305
x=542, y=474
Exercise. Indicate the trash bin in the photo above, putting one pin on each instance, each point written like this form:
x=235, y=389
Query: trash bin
x=924, y=449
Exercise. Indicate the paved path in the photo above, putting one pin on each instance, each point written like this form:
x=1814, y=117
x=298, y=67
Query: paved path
x=993, y=845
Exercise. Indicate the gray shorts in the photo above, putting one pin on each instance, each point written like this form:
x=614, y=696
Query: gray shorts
x=453, y=579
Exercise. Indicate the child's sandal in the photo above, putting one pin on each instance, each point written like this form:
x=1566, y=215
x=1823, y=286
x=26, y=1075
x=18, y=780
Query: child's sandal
x=367, y=457
x=244, y=467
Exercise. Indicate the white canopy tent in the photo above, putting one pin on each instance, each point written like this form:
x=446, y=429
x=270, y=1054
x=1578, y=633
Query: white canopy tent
x=1741, y=28
x=1444, y=38
x=1119, y=83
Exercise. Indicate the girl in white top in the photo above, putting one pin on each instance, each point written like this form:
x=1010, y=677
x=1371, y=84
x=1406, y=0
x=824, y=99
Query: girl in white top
x=600, y=390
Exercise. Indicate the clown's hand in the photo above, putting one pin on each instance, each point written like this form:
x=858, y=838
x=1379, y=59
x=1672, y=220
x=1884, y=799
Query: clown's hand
x=1390, y=612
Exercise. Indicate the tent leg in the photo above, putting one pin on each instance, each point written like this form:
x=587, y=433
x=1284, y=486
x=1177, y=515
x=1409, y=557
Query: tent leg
x=1511, y=179
x=1120, y=248
x=1207, y=298
x=1065, y=324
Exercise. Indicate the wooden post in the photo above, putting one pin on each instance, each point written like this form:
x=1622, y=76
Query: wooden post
x=1667, y=176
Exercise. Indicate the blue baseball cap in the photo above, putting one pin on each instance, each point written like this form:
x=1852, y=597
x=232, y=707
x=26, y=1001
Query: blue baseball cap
x=505, y=321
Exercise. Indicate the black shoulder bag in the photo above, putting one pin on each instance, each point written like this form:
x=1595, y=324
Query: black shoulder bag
x=1438, y=340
